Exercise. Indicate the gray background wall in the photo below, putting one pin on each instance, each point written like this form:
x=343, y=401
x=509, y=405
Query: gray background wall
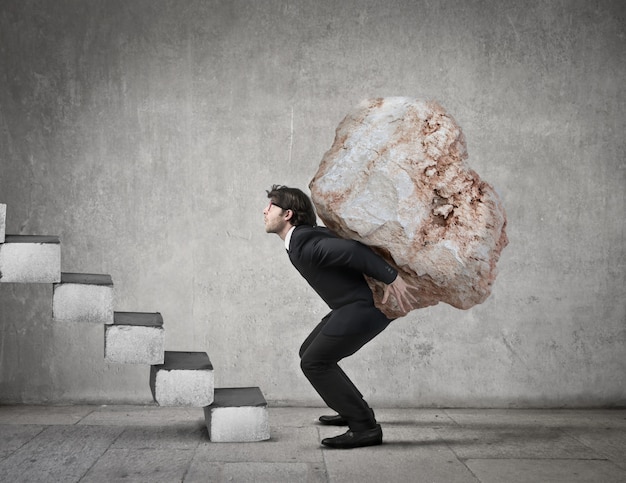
x=144, y=133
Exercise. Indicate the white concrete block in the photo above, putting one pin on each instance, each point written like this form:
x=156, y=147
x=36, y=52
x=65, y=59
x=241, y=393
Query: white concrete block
x=238, y=415
x=83, y=298
x=135, y=338
x=3, y=221
x=30, y=259
x=184, y=379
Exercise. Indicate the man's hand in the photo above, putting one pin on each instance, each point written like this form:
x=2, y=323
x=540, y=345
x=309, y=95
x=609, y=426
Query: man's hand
x=400, y=290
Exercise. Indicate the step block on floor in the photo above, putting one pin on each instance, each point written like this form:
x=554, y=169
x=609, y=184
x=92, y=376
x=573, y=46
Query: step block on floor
x=135, y=338
x=83, y=297
x=3, y=221
x=30, y=259
x=237, y=415
x=184, y=379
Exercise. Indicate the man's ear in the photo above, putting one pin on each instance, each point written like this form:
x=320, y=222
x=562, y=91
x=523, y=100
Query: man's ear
x=288, y=215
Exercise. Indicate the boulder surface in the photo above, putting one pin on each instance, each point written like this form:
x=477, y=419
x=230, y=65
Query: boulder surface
x=396, y=179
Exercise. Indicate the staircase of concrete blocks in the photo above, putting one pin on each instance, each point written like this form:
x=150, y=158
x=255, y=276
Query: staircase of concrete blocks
x=176, y=378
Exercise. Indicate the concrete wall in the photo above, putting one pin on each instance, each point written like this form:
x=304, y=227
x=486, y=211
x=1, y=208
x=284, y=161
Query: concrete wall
x=144, y=134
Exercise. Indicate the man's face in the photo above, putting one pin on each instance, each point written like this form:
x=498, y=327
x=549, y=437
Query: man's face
x=274, y=217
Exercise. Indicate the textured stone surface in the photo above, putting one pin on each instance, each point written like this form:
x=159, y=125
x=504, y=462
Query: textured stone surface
x=238, y=414
x=83, y=298
x=396, y=179
x=184, y=379
x=135, y=338
x=30, y=259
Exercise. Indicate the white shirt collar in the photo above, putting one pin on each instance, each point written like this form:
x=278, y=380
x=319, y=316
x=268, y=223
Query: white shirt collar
x=288, y=237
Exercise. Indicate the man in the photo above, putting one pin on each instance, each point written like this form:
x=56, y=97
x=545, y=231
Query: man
x=334, y=267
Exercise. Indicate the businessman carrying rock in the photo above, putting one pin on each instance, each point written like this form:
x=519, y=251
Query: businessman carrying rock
x=335, y=269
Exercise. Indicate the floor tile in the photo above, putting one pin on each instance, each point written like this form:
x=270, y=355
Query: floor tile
x=142, y=416
x=408, y=454
x=62, y=415
x=286, y=444
x=140, y=465
x=606, y=441
x=560, y=418
x=552, y=471
x=492, y=441
x=186, y=435
x=257, y=473
x=14, y=436
x=58, y=453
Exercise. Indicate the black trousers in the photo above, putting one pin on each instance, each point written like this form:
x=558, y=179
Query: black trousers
x=340, y=334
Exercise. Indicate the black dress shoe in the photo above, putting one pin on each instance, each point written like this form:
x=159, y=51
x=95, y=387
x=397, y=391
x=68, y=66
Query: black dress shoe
x=356, y=439
x=335, y=420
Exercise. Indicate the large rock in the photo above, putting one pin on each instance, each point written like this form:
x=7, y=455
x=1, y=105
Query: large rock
x=396, y=179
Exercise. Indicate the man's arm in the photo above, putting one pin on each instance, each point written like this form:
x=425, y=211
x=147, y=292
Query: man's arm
x=352, y=254
x=357, y=256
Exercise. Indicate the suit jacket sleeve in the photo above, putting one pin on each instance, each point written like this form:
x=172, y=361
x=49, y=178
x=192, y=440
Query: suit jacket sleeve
x=337, y=252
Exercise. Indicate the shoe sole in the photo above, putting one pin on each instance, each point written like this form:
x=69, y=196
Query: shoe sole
x=373, y=443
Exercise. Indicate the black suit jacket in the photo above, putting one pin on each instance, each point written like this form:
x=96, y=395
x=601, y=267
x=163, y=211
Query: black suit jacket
x=334, y=267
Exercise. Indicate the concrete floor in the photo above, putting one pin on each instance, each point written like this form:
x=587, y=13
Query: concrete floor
x=154, y=444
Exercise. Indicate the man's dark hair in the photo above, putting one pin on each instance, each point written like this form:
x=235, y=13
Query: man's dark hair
x=295, y=200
